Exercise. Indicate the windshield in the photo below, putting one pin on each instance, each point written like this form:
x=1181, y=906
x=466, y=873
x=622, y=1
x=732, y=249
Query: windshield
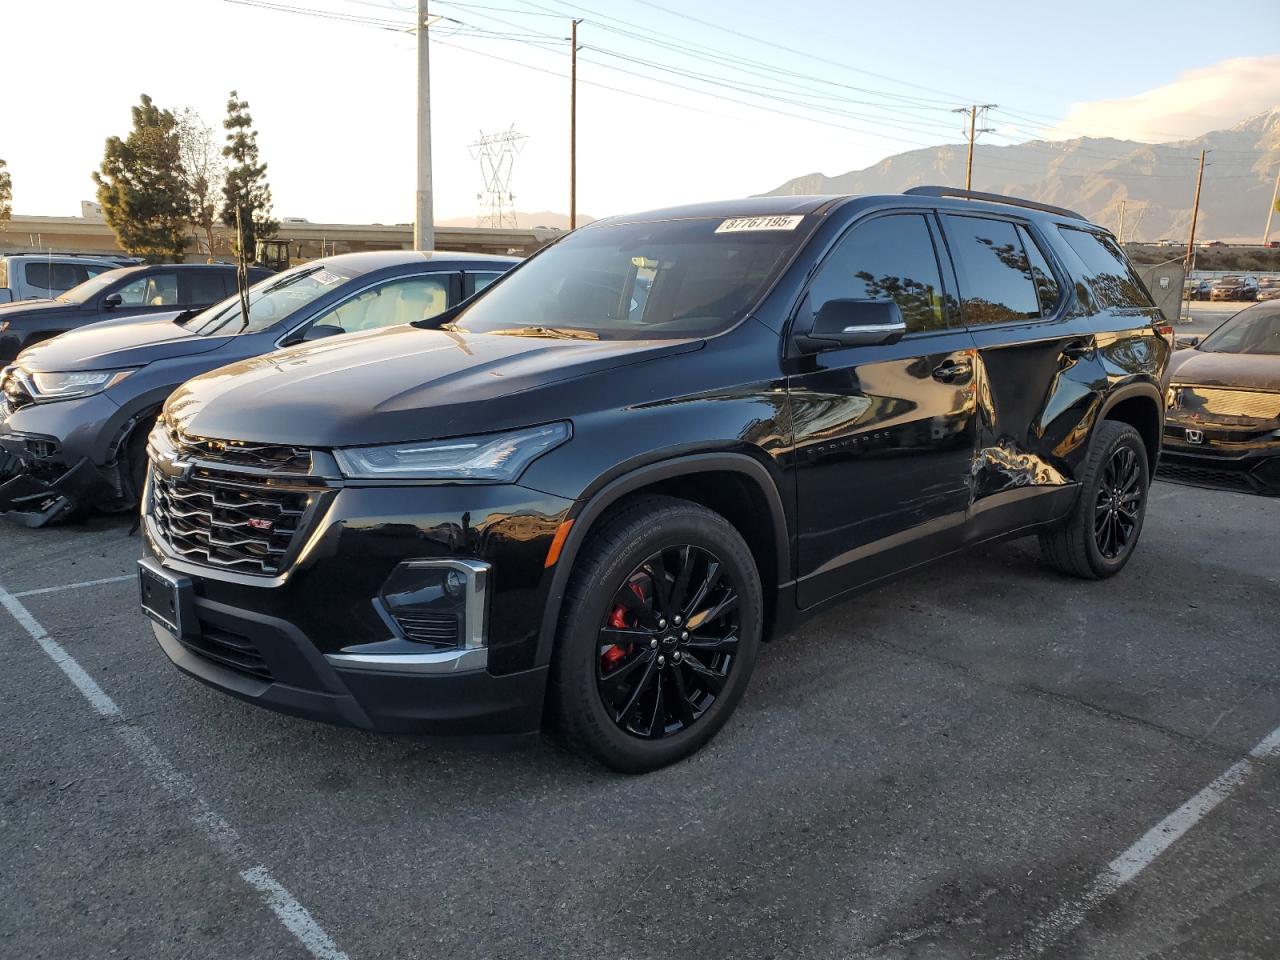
x=270, y=301
x=1252, y=330
x=86, y=291
x=639, y=281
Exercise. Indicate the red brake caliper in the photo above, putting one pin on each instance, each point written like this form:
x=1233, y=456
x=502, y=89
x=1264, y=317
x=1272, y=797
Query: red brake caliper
x=619, y=619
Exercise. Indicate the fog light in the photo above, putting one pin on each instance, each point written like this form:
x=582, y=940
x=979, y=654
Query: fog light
x=438, y=602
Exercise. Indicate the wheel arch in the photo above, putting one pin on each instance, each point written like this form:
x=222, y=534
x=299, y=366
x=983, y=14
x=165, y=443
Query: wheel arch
x=1140, y=405
x=698, y=478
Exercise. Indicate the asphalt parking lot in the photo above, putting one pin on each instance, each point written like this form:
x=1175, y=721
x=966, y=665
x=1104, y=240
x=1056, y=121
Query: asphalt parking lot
x=983, y=760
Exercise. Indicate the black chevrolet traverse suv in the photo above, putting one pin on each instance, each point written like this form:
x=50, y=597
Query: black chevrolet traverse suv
x=589, y=494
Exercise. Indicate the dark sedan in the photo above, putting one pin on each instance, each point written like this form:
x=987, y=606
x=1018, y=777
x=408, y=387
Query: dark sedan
x=129, y=291
x=1234, y=288
x=1223, y=425
x=76, y=410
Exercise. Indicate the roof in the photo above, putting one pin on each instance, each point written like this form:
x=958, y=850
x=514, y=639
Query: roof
x=746, y=207
x=367, y=262
x=941, y=197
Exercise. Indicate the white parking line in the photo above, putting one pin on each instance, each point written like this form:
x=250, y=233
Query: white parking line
x=1144, y=852
x=292, y=914
x=75, y=586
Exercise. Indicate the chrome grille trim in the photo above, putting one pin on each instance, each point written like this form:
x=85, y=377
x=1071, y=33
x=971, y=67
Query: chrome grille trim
x=1220, y=402
x=269, y=457
x=208, y=517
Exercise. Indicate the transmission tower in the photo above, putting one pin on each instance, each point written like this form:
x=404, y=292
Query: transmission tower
x=497, y=155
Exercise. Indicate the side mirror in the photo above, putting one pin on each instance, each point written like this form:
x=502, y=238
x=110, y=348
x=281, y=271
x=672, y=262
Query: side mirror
x=111, y=301
x=1181, y=343
x=6, y=295
x=854, y=323
x=319, y=331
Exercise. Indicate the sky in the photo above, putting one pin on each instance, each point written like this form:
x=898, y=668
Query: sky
x=677, y=102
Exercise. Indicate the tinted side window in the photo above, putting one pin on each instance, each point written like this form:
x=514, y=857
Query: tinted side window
x=155, y=290
x=1046, y=284
x=996, y=283
x=482, y=280
x=205, y=286
x=888, y=258
x=1108, y=277
x=55, y=277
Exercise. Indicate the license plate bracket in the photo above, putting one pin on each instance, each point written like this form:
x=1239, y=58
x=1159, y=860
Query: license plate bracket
x=166, y=598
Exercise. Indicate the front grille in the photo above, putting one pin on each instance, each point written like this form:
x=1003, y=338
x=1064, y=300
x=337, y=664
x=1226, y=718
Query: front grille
x=1204, y=476
x=440, y=629
x=1216, y=402
x=232, y=650
x=276, y=457
x=238, y=522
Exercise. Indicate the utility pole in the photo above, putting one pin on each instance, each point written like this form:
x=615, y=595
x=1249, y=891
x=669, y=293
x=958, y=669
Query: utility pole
x=424, y=228
x=573, y=128
x=1195, y=214
x=973, y=133
x=1275, y=195
x=1120, y=235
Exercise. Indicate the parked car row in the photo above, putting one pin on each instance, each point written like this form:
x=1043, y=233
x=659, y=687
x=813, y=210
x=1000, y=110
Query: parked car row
x=37, y=276
x=588, y=494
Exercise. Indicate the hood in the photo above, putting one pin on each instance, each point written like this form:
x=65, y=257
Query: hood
x=35, y=308
x=122, y=342
x=402, y=383
x=1240, y=370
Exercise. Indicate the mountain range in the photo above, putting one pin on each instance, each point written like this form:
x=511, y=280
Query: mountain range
x=1093, y=176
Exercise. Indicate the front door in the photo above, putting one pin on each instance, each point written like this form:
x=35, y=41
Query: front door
x=884, y=435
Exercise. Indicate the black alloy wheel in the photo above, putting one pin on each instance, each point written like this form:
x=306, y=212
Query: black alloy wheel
x=668, y=642
x=1097, y=538
x=1118, y=509
x=662, y=618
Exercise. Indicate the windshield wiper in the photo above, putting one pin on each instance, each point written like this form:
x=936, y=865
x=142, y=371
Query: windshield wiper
x=559, y=333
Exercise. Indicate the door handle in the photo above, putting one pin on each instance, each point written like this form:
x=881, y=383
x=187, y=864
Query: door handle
x=952, y=370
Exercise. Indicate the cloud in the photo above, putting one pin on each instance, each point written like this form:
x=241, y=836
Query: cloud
x=1200, y=100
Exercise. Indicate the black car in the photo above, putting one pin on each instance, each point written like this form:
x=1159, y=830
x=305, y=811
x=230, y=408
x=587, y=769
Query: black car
x=570, y=500
x=75, y=410
x=132, y=291
x=1223, y=428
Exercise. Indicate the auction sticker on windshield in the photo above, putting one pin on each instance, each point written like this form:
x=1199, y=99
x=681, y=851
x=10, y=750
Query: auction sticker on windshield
x=743, y=224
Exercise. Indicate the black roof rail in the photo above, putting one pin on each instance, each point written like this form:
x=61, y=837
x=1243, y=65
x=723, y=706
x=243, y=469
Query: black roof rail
x=991, y=198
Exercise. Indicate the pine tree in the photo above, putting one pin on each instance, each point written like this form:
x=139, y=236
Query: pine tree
x=246, y=187
x=6, y=195
x=140, y=187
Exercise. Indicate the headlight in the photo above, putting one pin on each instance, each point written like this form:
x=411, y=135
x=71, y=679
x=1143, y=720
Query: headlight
x=64, y=386
x=494, y=457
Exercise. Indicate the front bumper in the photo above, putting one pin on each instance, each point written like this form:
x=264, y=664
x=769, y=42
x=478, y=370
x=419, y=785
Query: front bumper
x=1244, y=467
x=312, y=641
x=294, y=678
x=66, y=446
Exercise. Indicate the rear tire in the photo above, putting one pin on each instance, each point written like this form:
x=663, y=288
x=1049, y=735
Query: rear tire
x=1100, y=534
x=630, y=685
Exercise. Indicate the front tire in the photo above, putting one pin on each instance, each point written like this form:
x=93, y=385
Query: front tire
x=658, y=637
x=1099, y=536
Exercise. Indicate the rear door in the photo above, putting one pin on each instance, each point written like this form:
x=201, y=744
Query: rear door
x=1014, y=303
x=200, y=288
x=885, y=434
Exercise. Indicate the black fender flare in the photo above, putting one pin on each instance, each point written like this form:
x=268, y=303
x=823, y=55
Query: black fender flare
x=594, y=507
x=1131, y=390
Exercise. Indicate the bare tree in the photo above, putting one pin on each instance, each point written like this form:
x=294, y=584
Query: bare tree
x=203, y=171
